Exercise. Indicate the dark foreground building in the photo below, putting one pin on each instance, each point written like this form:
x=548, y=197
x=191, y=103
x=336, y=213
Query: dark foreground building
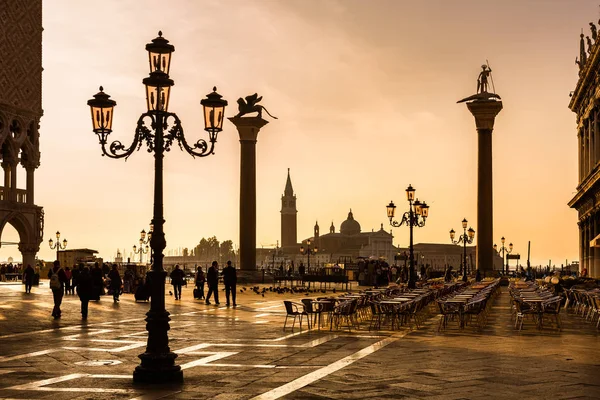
x=585, y=102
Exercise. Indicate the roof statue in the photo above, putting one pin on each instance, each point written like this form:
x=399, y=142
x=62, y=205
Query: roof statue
x=594, y=31
x=590, y=44
x=250, y=105
x=582, y=54
x=482, y=86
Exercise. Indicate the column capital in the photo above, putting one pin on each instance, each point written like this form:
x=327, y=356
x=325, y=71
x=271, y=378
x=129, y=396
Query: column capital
x=485, y=112
x=248, y=127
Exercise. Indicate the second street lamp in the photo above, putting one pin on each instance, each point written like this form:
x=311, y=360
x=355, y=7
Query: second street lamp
x=142, y=250
x=308, y=251
x=415, y=216
x=58, y=246
x=504, y=251
x=466, y=237
x=159, y=129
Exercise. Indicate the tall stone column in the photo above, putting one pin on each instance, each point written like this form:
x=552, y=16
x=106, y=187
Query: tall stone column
x=248, y=128
x=485, y=112
x=581, y=243
x=595, y=268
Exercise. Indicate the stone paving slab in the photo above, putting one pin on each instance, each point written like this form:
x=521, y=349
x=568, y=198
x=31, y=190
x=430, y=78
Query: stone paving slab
x=243, y=353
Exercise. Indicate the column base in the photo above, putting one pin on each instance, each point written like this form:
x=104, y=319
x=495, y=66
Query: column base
x=158, y=368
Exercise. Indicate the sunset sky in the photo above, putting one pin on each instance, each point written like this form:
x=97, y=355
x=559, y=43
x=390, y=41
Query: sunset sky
x=365, y=92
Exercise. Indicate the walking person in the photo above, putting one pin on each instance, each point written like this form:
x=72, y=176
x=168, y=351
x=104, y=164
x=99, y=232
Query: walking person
x=177, y=278
x=115, y=282
x=230, y=280
x=85, y=290
x=75, y=273
x=69, y=275
x=97, y=281
x=28, y=278
x=57, y=284
x=212, y=278
x=200, y=279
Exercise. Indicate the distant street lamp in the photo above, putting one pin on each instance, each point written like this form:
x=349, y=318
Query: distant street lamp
x=466, y=237
x=504, y=250
x=413, y=217
x=141, y=251
x=144, y=241
x=275, y=252
x=159, y=129
x=57, y=245
x=308, y=251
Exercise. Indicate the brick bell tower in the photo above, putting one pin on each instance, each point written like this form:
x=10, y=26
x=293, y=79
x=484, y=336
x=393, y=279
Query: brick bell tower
x=288, y=215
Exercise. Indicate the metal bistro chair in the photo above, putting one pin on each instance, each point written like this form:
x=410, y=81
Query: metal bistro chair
x=552, y=307
x=313, y=311
x=448, y=312
x=292, y=310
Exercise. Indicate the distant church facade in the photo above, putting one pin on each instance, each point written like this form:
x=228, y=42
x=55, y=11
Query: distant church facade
x=344, y=245
x=585, y=103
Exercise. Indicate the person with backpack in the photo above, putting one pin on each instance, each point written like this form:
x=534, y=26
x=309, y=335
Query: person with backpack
x=230, y=280
x=212, y=277
x=57, y=278
x=177, y=279
x=200, y=279
x=85, y=290
x=115, y=282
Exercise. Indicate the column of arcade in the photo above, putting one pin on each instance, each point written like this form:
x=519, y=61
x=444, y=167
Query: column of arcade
x=589, y=143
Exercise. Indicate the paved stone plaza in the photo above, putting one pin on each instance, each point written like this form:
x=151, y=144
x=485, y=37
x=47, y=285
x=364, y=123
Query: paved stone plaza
x=243, y=353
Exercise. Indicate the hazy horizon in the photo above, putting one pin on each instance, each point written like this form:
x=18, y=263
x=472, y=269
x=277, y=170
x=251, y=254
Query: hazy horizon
x=366, y=98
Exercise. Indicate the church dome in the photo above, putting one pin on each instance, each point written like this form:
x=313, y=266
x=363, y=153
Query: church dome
x=350, y=226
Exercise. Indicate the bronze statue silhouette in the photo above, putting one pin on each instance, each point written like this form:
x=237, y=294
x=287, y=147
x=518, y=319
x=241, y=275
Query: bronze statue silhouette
x=594, y=31
x=482, y=87
x=249, y=105
x=482, y=80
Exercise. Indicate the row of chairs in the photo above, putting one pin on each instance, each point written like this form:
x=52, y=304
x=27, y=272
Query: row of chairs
x=536, y=302
x=584, y=303
x=476, y=308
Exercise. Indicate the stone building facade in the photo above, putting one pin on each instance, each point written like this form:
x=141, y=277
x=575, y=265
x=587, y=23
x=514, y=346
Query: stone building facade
x=20, y=113
x=585, y=103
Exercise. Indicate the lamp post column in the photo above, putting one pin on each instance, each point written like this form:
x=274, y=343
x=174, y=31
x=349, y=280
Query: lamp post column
x=248, y=128
x=158, y=362
x=411, y=268
x=485, y=112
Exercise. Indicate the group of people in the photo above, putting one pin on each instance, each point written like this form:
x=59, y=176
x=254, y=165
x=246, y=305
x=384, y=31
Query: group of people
x=89, y=285
x=229, y=274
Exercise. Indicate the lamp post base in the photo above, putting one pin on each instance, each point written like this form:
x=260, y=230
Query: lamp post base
x=158, y=368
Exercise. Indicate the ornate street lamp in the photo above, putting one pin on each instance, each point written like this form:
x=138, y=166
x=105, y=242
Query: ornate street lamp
x=158, y=128
x=308, y=251
x=415, y=216
x=58, y=246
x=504, y=251
x=141, y=251
x=145, y=241
x=466, y=237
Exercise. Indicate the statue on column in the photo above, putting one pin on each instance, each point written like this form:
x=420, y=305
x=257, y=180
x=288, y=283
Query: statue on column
x=250, y=105
x=594, y=31
x=482, y=86
x=482, y=80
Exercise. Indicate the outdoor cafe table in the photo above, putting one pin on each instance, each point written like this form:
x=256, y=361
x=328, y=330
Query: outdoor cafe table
x=536, y=304
x=460, y=301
